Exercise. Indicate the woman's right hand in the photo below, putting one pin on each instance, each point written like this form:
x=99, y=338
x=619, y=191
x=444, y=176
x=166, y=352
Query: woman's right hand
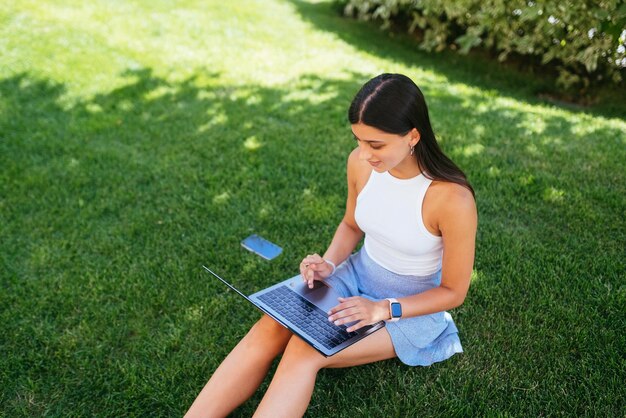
x=314, y=267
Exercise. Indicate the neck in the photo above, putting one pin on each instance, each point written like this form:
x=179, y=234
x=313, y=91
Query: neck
x=406, y=169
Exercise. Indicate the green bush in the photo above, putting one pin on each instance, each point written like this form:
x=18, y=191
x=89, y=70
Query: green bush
x=584, y=40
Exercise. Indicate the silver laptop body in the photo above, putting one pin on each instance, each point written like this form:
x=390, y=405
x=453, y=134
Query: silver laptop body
x=299, y=309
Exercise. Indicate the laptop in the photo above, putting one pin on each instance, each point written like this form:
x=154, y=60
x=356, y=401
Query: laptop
x=304, y=312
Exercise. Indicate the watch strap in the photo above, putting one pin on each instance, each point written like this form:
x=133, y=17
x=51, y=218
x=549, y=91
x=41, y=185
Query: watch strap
x=391, y=317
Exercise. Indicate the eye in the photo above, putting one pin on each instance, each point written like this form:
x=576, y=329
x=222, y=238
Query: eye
x=376, y=146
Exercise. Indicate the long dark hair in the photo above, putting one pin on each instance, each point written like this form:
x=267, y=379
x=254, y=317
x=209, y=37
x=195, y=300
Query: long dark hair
x=394, y=104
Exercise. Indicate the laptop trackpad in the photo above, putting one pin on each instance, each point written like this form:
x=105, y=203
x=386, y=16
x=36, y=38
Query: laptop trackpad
x=321, y=295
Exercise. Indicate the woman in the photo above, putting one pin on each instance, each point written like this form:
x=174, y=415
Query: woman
x=418, y=214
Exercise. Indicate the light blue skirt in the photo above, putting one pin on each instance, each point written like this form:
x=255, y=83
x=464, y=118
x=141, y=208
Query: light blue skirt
x=418, y=341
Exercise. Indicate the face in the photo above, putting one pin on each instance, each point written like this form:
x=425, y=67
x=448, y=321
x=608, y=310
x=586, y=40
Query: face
x=385, y=151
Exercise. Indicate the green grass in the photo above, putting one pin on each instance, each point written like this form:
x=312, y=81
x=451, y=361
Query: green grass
x=141, y=139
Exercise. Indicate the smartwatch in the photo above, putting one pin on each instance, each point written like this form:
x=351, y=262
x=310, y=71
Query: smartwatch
x=395, y=310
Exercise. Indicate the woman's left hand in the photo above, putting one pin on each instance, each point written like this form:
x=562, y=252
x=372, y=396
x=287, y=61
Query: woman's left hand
x=360, y=310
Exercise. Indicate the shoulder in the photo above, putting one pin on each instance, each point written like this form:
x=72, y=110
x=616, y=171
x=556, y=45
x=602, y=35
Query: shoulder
x=358, y=170
x=452, y=202
x=353, y=159
x=454, y=193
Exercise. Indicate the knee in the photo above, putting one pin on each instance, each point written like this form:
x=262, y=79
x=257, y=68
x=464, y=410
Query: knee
x=269, y=327
x=266, y=333
x=299, y=354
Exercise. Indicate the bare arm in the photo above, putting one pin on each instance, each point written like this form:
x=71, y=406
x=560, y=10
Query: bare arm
x=344, y=241
x=346, y=237
x=457, y=222
x=348, y=233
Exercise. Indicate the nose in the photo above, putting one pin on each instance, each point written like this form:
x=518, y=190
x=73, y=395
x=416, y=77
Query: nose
x=364, y=152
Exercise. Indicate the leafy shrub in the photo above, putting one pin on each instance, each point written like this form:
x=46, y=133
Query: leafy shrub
x=585, y=40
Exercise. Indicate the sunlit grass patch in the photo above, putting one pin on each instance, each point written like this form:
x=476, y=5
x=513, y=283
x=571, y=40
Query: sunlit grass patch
x=140, y=140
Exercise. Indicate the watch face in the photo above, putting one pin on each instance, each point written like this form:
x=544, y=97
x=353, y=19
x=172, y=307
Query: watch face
x=396, y=310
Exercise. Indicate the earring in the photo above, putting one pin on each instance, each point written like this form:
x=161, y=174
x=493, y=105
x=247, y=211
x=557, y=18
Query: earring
x=412, y=149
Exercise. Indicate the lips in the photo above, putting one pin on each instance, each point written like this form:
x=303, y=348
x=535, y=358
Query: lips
x=374, y=163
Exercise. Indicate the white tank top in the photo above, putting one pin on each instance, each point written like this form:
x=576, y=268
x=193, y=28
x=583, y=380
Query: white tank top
x=389, y=211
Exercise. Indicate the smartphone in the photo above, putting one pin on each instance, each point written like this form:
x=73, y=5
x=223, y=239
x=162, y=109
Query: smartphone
x=261, y=246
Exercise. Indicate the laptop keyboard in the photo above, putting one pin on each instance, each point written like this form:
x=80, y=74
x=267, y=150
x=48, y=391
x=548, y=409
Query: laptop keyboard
x=307, y=316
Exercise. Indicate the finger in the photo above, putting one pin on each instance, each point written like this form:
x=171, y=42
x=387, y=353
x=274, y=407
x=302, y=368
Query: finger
x=335, y=309
x=341, y=307
x=347, y=303
x=313, y=266
x=307, y=274
x=350, y=310
x=348, y=319
x=356, y=326
x=349, y=315
x=313, y=259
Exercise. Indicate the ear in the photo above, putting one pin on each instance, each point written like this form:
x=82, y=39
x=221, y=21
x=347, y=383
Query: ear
x=415, y=137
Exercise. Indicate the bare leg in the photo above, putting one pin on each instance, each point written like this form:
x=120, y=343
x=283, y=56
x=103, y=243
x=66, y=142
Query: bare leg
x=242, y=371
x=290, y=392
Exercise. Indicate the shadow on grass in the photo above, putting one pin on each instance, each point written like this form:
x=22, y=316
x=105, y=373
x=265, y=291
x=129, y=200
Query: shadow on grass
x=110, y=205
x=474, y=70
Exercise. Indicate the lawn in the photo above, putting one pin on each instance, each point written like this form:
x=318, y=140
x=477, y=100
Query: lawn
x=142, y=139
